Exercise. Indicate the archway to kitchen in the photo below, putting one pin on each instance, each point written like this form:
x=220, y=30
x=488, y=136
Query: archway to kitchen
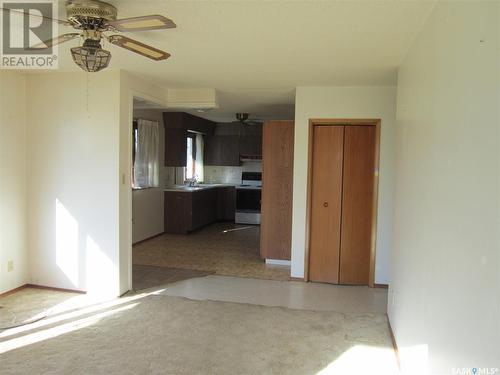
x=211, y=227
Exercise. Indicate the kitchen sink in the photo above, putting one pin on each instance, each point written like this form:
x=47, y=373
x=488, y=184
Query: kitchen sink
x=197, y=187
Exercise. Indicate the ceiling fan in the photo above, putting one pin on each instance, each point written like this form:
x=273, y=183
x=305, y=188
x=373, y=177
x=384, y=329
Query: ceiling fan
x=244, y=119
x=93, y=18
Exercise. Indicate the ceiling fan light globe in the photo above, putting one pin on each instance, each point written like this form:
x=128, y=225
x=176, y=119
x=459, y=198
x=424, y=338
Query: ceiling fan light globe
x=91, y=59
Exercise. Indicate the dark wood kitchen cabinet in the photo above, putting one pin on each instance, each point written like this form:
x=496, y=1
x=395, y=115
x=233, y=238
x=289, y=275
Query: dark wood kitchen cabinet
x=204, y=208
x=183, y=120
x=222, y=150
x=175, y=147
x=186, y=211
x=177, y=125
x=226, y=203
x=178, y=211
x=251, y=145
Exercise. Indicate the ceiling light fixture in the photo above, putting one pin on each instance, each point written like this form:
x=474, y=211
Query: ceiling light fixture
x=91, y=57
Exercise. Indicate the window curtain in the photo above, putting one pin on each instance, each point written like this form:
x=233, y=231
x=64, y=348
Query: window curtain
x=146, y=164
x=198, y=166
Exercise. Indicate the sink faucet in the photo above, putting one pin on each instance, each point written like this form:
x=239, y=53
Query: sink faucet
x=191, y=182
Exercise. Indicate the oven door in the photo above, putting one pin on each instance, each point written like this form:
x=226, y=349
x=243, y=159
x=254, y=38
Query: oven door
x=248, y=206
x=248, y=200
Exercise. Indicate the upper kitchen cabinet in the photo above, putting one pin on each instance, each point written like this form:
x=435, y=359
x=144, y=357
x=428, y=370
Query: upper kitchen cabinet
x=177, y=125
x=175, y=147
x=232, y=143
x=222, y=150
x=188, y=122
x=251, y=147
x=251, y=141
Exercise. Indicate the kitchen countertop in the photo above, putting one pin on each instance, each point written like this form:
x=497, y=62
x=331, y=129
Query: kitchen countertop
x=190, y=189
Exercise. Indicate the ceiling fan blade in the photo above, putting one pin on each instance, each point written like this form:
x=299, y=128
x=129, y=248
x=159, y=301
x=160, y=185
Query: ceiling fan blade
x=52, y=42
x=152, y=22
x=138, y=47
x=17, y=11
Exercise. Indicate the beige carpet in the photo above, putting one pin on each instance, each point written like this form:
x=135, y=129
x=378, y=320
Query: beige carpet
x=155, y=334
x=209, y=249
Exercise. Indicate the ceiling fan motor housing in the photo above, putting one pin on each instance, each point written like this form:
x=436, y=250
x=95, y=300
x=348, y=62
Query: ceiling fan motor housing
x=90, y=13
x=242, y=116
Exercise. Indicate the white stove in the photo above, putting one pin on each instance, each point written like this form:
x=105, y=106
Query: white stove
x=249, y=187
x=248, y=197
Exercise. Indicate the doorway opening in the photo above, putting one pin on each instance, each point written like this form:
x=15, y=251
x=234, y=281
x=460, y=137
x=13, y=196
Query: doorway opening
x=201, y=213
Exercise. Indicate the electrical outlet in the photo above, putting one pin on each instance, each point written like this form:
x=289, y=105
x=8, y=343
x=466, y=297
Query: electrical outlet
x=393, y=298
x=10, y=266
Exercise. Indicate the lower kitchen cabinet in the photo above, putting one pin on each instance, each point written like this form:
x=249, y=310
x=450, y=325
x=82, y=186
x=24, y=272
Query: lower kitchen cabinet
x=226, y=203
x=178, y=211
x=204, y=208
x=187, y=211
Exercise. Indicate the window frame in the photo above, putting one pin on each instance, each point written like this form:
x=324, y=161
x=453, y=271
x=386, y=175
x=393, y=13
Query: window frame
x=191, y=135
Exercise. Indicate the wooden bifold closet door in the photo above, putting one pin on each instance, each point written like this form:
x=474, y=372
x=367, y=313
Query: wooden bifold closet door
x=326, y=201
x=343, y=166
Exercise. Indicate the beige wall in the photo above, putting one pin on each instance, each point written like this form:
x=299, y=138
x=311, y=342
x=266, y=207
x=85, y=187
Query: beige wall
x=74, y=154
x=445, y=285
x=13, y=209
x=345, y=102
x=66, y=159
x=130, y=87
x=73, y=161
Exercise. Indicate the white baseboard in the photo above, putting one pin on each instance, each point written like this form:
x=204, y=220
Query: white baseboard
x=279, y=262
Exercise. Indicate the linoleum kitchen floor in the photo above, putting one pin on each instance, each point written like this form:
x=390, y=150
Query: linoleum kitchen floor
x=210, y=249
x=146, y=277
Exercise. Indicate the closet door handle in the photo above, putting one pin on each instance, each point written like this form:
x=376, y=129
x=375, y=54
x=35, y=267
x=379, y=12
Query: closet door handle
x=325, y=204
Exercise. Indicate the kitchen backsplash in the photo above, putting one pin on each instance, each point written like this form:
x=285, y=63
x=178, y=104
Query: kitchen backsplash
x=230, y=175
x=213, y=174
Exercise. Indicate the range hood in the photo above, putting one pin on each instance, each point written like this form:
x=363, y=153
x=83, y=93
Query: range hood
x=256, y=158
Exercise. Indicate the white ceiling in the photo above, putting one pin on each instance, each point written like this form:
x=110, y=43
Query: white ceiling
x=255, y=52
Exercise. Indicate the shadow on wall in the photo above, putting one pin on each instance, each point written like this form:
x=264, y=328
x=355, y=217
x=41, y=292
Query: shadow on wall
x=80, y=258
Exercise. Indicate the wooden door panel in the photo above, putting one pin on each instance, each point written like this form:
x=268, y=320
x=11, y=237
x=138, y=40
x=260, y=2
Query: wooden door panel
x=277, y=190
x=326, y=197
x=357, y=204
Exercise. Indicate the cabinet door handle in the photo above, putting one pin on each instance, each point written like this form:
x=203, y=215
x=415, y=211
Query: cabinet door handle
x=325, y=204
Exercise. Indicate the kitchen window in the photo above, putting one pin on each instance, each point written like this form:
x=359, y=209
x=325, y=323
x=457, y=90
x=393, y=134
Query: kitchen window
x=194, y=157
x=145, y=154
